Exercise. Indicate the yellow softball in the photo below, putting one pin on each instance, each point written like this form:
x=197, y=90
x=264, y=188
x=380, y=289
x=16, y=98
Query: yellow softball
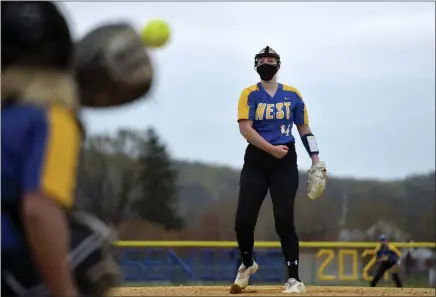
x=156, y=33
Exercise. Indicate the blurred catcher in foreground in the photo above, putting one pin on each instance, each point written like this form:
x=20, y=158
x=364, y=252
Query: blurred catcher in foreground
x=48, y=248
x=388, y=257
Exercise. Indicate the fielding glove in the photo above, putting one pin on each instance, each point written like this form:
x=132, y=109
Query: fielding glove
x=317, y=180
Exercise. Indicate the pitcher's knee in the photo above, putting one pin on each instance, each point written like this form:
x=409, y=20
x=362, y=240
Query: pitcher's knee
x=285, y=227
x=244, y=224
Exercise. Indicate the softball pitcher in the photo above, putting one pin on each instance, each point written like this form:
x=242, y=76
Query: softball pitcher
x=267, y=112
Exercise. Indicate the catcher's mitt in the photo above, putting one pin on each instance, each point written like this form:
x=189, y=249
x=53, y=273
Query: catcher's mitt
x=91, y=259
x=317, y=180
x=112, y=66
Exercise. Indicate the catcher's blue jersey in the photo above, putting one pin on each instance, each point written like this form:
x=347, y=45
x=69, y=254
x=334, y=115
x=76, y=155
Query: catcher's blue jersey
x=273, y=117
x=39, y=153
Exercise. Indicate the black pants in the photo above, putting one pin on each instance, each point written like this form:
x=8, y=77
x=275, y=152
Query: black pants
x=262, y=171
x=383, y=267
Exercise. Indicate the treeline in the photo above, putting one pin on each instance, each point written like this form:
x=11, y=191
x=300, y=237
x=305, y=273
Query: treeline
x=130, y=180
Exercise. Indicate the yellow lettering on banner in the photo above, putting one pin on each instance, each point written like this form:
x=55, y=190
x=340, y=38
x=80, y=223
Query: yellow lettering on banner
x=330, y=256
x=370, y=264
x=341, y=256
x=342, y=253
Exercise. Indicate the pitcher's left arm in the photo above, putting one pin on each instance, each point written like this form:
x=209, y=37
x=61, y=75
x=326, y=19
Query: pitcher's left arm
x=301, y=121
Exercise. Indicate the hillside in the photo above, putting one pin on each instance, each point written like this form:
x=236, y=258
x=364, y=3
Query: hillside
x=207, y=196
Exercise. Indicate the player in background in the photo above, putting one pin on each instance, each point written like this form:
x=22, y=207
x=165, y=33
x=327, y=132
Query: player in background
x=388, y=257
x=48, y=248
x=267, y=112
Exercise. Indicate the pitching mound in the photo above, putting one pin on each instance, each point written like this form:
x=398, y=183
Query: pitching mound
x=269, y=291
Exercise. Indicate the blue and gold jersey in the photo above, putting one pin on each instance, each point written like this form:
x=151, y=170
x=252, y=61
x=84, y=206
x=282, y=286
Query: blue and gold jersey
x=39, y=153
x=273, y=117
x=388, y=250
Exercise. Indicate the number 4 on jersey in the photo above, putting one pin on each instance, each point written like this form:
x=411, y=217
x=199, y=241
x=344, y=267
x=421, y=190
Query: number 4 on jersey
x=286, y=129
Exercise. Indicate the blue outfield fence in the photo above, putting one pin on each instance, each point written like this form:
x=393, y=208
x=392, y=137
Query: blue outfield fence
x=195, y=265
x=191, y=262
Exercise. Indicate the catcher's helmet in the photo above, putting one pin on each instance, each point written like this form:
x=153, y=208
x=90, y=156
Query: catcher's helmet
x=35, y=34
x=267, y=52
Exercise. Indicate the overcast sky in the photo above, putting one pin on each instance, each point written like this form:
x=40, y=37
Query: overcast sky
x=366, y=72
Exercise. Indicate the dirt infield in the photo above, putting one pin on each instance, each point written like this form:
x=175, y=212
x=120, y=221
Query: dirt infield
x=269, y=291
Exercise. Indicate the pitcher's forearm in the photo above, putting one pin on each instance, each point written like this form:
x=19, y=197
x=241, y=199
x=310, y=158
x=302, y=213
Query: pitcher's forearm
x=255, y=139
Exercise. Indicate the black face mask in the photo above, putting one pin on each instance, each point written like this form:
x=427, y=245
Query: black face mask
x=267, y=71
